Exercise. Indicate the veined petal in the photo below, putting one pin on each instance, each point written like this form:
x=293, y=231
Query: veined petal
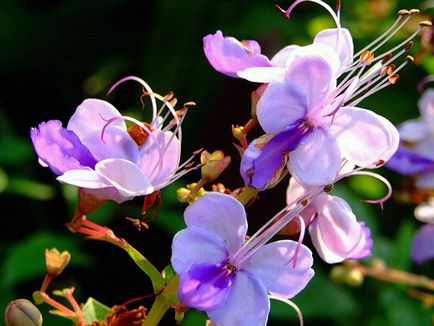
x=343, y=44
x=205, y=286
x=114, y=143
x=273, y=266
x=247, y=303
x=264, y=158
x=405, y=161
x=59, y=148
x=316, y=160
x=196, y=246
x=281, y=105
x=335, y=232
x=262, y=74
x=423, y=244
x=228, y=55
x=365, y=138
x=222, y=214
x=279, y=59
x=92, y=115
x=158, y=168
x=125, y=176
x=413, y=130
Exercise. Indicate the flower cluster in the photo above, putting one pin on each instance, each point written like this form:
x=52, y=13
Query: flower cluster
x=313, y=129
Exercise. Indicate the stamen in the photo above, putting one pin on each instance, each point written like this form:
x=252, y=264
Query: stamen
x=292, y=305
x=299, y=242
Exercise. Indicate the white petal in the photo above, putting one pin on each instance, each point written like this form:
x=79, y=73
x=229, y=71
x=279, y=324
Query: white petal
x=92, y=115
x=84, y=179
x=425, y=212
x=343, y=44
x=364, y=137
x=125, y=176
x=316, y=160
x=279, y=59
x=262, y=74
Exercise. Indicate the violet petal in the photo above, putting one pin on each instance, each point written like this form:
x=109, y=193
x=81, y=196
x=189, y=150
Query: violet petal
x=423, y=244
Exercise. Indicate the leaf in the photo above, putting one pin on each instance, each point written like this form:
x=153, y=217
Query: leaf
x=26, y=260
x=94, y=310
x=14, y=149
x=30, y=188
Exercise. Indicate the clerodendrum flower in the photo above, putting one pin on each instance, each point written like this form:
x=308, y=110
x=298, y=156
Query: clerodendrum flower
x=220, y=275
x=333, y=228
x=97, y=153
x=309, y=107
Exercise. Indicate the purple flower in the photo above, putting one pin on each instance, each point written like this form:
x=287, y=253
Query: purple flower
x=216, y=276
x=422, y=248
x=334, y=230
x=244, y=59
x=308, y=99
x=96, y=152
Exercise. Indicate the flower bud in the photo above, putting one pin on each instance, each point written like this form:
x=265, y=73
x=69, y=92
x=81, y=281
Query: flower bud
x=214, y=164
x=338, y=273
x=185, y=195
x=22, y=312
x=55, y=261
x=354, y=278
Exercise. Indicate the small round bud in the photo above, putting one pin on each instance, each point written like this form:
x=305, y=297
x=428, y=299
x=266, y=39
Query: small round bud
x=55, y=262
x=338, y=273
x=182, y=195
x=22, y=312
x=354, y=278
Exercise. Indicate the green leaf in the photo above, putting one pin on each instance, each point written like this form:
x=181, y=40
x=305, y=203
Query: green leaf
x=30, y=188
x=14, y=149
x=168, y=273
x=25, y=260
x=400, y=255
x=94, y=310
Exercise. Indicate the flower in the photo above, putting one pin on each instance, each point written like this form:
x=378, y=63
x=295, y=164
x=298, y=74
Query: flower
x=422, y=248
x=333, y=228
x=97, y=153
x=229, y=283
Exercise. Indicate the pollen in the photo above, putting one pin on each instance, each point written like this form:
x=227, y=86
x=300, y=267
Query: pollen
x=367, y=56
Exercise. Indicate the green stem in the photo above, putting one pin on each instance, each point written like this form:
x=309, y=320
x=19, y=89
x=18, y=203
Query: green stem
x=162, y=303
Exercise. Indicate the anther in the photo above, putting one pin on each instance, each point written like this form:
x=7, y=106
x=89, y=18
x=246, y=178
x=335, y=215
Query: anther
x=304, y=202
x=367, y=56
x=387, y=57
x=425, y=23
x=409, y=58
x=404, y=12
x=394, y=79
x=408, y=46
x=328, y=188
x=414, y=11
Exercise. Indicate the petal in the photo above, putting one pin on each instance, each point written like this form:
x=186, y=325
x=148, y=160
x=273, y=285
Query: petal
x=407, y=162
x=59, y=148
x=262, y=74
x=426, y=107
x=228, y=55
x=425, y=148
x=316, y=160
x=194, y=246
x=92, y=115
x=247, y=303
x=425, y=181
x=280, y=58
x=114, y=143
x=366, y=251
x=109, y=193
x=159, y=157
x=314, y=68
x=423, y=244
x=335, y=232
x=84, y=179
x=365, y=138
x=273, y=266
x=343, y=44
x=125, y=176
x=281, y=105
x=205, y=286
x=222, y=214
x=413, y=130
x=262, y=163
x=425, y=212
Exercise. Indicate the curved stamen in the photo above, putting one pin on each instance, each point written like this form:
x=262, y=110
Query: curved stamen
x=145, y=85
x=292, y=305
x=299, y=242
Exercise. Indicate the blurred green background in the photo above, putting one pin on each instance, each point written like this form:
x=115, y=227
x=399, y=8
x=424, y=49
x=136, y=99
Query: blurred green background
x=55, y=53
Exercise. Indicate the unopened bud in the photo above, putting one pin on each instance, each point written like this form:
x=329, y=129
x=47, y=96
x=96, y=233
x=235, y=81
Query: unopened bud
x=22, y=312
x=338, y=273
x=185, y=195
x=55, y=262
x=214, y=164
x=354, y=278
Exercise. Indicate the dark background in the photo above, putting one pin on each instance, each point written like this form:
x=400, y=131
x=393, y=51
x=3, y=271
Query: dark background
x=54, y=54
